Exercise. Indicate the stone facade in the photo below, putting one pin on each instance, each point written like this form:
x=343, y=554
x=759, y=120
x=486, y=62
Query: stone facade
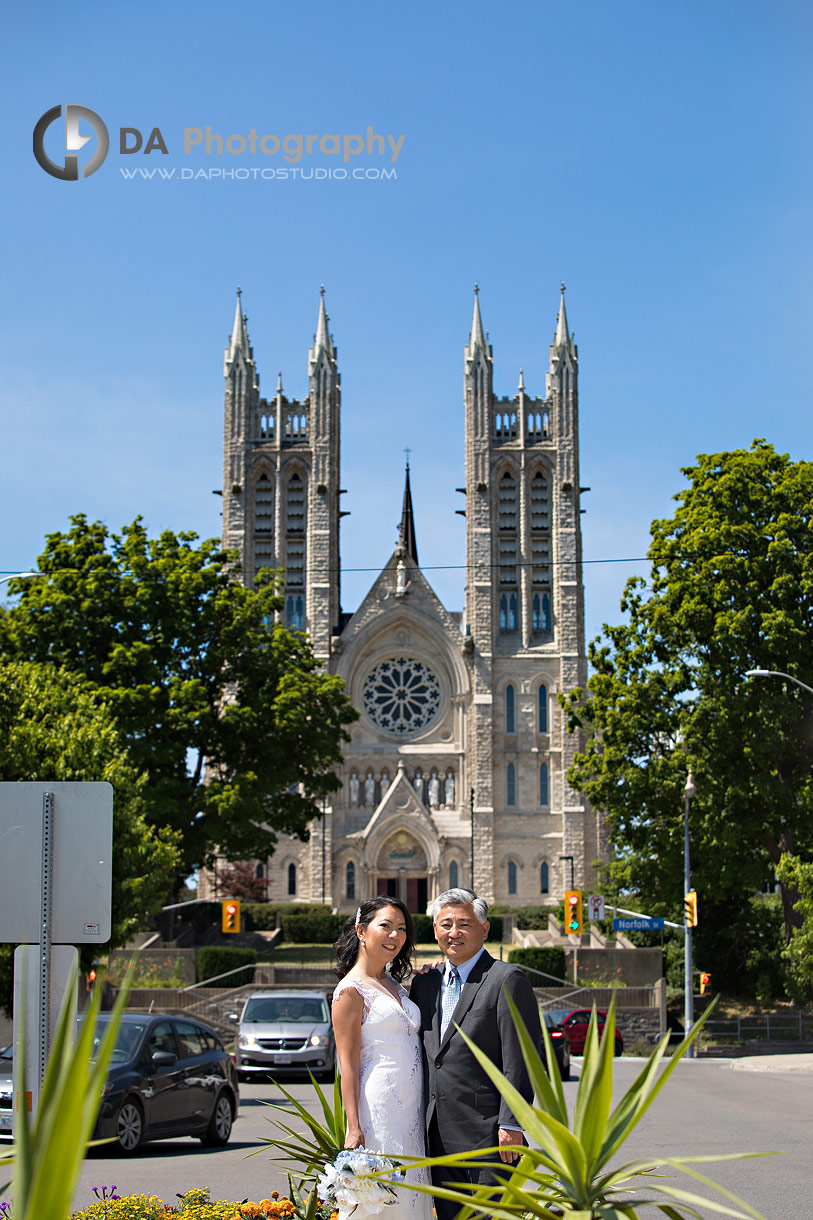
x=461, y=749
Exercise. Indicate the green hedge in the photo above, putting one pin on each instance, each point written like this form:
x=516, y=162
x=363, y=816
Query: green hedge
x=217, y=959
x=312, y=927
x=264, y=916
x=550, y=961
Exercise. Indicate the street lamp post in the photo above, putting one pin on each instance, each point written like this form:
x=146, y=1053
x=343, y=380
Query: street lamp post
x=19, y=576
x=777, y=673
x=688, y=1018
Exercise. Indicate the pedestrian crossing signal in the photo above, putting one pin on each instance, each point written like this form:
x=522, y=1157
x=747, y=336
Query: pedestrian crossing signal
x=705, y=982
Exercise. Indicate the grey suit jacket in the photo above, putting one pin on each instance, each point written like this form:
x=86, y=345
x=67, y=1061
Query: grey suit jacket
x=459, y=1095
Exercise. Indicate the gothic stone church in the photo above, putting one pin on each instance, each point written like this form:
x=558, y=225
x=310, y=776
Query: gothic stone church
x=457, y=765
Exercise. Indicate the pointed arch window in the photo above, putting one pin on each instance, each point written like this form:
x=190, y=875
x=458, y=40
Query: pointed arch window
x=510, y=716
x=295, y=504
x=295, y=612
x=510, y=785
x=544, y=785
x=542, y=709
x=263, y=523
x=544, y=878
x=291, y=880
x=540, y=504
x=508, y=612
x=453, y=875
x=540, y=612
x=540, y=543
x=350, y=881
x=512, y=877
x=508, y=548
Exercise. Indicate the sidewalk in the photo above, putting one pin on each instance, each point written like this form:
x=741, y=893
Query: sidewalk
x=773, y=1063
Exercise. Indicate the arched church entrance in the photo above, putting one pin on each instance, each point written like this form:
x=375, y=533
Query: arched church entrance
x=401, y=871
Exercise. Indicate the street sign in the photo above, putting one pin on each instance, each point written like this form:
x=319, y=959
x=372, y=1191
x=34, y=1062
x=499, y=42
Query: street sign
x=638, y=925
x=79, y=848
x=595, y=906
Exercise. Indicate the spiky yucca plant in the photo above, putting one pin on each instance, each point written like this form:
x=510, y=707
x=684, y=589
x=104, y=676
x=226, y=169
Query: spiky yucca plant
x=569, y=1176
x=48, y=1153
x=326, y=1141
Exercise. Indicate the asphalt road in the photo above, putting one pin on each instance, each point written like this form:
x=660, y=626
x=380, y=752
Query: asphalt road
x=708, y=1107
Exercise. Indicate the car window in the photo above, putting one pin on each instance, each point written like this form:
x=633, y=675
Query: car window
x=281, y=1010
x=127, y=1038
x=161, y=1039
x=190, y=1039
x=579, y=1018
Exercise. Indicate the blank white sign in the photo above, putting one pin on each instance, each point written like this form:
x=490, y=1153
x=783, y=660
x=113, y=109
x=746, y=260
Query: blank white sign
x=82, y=862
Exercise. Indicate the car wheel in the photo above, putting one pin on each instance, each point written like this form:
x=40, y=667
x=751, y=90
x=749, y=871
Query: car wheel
x=619, y=1046
x=220, y=1124
x=129, y=1127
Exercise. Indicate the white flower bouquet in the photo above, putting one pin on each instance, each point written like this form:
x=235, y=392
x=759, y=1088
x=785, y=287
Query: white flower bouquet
x=349, y=1187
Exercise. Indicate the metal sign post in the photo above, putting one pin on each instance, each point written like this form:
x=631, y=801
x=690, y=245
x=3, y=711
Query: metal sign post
x=56, y=843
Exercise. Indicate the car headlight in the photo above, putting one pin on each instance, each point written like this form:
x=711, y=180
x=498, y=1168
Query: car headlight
x=247, y=1042
x=319, y=1040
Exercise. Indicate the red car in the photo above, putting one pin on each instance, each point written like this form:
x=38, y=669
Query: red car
x=575, y=1021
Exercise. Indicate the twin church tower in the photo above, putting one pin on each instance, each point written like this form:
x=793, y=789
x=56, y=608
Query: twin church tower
x=456, y=768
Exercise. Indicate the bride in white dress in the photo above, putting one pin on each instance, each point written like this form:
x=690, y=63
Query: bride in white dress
x=377, y=1031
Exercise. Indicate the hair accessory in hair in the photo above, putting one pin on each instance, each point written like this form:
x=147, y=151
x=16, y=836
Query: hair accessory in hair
x=358, y=915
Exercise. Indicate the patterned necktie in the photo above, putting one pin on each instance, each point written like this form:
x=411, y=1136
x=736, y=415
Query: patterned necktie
x=450, y=997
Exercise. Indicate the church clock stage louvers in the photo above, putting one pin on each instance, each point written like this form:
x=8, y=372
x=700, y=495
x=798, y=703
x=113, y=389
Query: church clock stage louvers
x=461, y=747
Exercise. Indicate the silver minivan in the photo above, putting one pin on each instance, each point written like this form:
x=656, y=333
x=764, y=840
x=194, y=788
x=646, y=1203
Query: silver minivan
x=283, y=1033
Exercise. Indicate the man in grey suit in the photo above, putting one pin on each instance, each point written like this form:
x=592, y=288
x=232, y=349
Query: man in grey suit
x=464, y=1109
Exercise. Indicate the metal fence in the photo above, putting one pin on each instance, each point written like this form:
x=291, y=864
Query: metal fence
x=769, y=1027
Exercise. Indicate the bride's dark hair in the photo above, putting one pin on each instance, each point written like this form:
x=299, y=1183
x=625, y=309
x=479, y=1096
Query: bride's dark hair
x=347, y=946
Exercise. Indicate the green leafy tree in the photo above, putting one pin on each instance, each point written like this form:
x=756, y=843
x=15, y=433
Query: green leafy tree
x=56, y=726
x=798, y=953
x=227, y=713
x=731, y=589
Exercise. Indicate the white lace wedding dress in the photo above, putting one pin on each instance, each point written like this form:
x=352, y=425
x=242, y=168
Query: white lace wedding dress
x=391, y=1112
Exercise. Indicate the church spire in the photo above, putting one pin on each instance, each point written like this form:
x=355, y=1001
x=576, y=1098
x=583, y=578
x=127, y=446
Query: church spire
x=478, y=338
x=322, y=340
x=406, y=532
x=239, y=335
x=322, y=336
x=563, y=336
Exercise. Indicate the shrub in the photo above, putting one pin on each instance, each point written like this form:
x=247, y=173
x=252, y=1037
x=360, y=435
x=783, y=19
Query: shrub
x=217, y=959
x=264, y=916
x=312, y=927
x=549, y=961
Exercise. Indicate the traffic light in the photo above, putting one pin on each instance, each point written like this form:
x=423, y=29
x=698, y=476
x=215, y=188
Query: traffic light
x=574, y=921
x=705, y=982
x=230, y=915
x=690, y=907
x=90, y=980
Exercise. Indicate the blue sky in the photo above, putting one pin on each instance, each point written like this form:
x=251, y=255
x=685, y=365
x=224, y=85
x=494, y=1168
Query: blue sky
x=654, y=156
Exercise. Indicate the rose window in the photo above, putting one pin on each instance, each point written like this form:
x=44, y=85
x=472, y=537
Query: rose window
x=401, y=695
